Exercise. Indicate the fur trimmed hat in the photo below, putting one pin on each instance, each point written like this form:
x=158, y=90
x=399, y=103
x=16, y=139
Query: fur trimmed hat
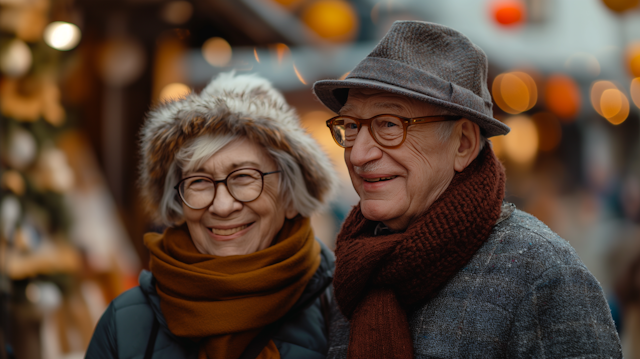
x=243, y=105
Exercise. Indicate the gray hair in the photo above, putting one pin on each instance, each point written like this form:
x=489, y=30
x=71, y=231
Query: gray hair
x=445, y=129
x=292, y=187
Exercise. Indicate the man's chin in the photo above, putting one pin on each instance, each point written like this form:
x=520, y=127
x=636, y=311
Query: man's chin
x=379, y=210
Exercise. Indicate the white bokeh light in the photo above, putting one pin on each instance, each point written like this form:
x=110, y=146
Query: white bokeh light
x=62, y=35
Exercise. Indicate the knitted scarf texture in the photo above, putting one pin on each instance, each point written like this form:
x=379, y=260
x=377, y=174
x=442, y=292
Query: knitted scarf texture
x=378, y=279
x=224, y=302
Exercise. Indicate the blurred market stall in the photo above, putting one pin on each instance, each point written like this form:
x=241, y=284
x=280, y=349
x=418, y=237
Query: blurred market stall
x=77, y=77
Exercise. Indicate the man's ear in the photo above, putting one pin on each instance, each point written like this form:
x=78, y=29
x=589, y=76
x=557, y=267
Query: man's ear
x=468, y=146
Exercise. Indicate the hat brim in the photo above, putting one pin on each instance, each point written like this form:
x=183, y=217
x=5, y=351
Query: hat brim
x=330, y=94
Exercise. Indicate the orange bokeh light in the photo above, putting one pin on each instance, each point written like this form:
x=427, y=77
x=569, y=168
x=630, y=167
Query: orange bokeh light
x=597, y=88
x=521, y=144
x=287, y=3
x=614, y=106
x=620, y=6
x=515, y=92
x=635, y=91
x=508, y=12
x=281, y=50
x=174, y=91
x=295, y=69
x=633, y=59
x=562, y=96
x=217, y=51
x=333, y=20
x=609, y=102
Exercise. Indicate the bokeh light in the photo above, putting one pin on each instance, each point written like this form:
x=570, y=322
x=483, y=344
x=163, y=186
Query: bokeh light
x=121, y=61
x=562, y=96
x=521, y=144
x=515, y=92
x=333, y=20
x=609, y=102
x=282, y=50
x=614, y=106
x=15, y=58
x=620, y=5
x=597, y=88
x=216, y=51
x=295, y=69
x=62, y=35
x=508, y=12
x=177, y=12
x=497, y=144
x=174, y=91
x=315, y=123
x=633, y=58
x=549, y=131
x=635, y=91
x=287, y=3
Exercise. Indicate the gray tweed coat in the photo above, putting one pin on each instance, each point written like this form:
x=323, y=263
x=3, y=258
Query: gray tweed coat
x=524, y=294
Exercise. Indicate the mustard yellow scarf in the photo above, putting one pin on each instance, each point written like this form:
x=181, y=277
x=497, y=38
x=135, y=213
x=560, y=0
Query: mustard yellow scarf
x=224, y=302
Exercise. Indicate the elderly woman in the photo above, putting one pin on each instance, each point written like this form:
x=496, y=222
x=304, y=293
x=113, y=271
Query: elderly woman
x=238, y=272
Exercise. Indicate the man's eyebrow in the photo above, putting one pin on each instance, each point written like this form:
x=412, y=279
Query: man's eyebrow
x=345, y=108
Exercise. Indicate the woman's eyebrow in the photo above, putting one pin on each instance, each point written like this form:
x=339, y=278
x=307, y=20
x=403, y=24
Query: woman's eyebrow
x=230, y=167
x=243, y=163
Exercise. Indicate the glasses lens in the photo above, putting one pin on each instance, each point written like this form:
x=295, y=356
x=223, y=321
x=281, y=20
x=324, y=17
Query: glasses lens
x=197, y=192
x=245, y=184
x=345, y=131
x=388, y=130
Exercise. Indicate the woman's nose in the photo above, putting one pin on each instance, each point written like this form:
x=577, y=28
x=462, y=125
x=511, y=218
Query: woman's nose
x=223, y=203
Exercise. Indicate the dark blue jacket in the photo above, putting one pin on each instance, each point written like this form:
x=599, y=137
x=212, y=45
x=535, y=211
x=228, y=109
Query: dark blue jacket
x=125, y=327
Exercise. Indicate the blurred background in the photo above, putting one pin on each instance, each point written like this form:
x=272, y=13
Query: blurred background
x=77, y=76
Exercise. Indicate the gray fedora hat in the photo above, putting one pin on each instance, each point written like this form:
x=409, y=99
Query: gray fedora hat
x=428, y=62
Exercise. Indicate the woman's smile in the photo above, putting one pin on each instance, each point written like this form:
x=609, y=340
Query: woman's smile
x=230, y=233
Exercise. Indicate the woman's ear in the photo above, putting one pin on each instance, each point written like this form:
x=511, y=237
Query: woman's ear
x=291, y=212
x=468, y=145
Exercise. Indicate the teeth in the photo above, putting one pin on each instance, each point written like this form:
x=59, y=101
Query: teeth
x=228, y=232
x=379, y=179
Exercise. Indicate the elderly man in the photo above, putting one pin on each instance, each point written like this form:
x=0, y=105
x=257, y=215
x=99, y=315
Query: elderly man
x=432, y=263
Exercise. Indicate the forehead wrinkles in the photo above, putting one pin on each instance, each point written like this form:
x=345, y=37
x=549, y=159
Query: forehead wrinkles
x=375, y=103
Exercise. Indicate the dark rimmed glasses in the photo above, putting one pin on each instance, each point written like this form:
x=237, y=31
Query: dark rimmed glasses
x=244, y=184
x=388, y=131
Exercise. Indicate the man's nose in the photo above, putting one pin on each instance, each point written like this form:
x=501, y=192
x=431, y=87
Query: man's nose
x=365, y=148
x=223, y=203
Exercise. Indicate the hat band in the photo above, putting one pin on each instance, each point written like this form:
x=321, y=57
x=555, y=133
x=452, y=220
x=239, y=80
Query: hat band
x=399, y=74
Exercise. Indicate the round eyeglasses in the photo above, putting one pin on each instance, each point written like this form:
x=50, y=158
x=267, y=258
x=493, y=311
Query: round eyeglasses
x=245, y=185
x=388, y=131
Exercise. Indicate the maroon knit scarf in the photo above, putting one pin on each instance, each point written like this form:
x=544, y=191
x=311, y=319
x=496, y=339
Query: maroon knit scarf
x=379, y=278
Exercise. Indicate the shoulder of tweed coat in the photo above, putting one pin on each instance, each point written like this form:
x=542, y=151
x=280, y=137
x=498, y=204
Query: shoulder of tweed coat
x=524, y=294
x=244, y=105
